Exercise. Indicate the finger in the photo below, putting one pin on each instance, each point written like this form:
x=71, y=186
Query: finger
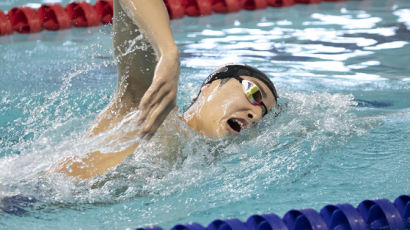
x=154, y=124
x=158, y=116
x=159, y=97
x=150, y=116
x=148, y=102
x=151, y=92
x=148, y=134
x=147, y=111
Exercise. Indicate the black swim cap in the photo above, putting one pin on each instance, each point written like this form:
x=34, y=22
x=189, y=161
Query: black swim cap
x=237, y=70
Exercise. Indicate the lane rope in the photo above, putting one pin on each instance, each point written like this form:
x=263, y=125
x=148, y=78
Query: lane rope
x=24, y=19
x=369, y=215
x=378, y=214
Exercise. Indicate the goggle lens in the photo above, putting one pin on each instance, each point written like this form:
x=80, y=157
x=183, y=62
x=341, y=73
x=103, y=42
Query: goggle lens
x=254, y=95
x=252, y=91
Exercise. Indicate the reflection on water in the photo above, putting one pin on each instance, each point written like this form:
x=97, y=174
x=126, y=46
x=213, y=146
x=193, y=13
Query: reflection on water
x=342, y=136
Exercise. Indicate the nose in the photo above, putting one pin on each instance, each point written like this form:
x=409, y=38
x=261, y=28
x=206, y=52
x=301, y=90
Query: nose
x=254, y=113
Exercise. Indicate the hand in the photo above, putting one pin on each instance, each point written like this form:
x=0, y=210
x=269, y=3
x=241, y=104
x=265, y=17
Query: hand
x=160, y=98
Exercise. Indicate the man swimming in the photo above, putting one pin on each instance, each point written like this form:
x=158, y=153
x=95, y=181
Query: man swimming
x=233, y=96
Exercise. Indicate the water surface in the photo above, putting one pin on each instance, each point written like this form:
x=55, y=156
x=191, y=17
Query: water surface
x=341, y=72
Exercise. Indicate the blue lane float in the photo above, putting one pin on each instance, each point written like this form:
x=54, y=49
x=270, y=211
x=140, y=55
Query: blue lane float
x=304, y=219
x=17, y=205
x=342, y=216
x=402, y=203
x=378, y=214
x=266, y=221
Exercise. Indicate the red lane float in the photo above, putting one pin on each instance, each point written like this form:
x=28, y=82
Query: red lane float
x=82, y=14
x=104, y=9
x=226, y=6
x=5, y=25
x=281, y=3
x=197, y=7
x=255, y=4
x=308, y=1
x=175, y=8
x=25, y=20
x=54, y=17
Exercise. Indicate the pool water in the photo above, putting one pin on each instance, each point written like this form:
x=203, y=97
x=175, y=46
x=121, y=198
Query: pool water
x=341, y=70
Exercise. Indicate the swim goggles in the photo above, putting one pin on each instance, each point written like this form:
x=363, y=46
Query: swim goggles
x=237, y=70
x=253, y=93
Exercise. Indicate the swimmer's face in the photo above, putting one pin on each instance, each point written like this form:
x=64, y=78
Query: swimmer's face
x=223, y=109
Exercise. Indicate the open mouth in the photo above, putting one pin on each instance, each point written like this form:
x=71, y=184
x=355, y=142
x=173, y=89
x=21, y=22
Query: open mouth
x=237, y=124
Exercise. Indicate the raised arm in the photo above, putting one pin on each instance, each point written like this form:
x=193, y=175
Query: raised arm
x=148, y=70
x=148, y=65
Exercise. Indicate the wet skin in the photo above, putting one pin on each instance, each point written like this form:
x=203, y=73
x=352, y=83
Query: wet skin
x=219, y=109
x=147, y=81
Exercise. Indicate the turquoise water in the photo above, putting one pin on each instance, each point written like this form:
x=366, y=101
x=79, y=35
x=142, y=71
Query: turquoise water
x=341, y=70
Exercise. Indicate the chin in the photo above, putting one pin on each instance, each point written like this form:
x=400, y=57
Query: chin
x=224, y=130
x=218, y=133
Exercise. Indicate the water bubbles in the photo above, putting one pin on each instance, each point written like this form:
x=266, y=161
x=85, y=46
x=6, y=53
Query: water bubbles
x=321, y=144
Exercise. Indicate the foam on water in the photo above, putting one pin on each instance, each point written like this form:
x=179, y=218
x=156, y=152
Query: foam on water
x=340, y=133
x=282, y=148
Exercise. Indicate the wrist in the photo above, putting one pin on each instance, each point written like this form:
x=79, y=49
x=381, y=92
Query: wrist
x=169, y=51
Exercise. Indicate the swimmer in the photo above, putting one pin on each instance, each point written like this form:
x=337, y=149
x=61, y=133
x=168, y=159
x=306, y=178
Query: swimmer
x=231, y=98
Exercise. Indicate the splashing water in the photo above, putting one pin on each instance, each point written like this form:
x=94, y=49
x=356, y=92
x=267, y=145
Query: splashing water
x=340, y=133
x=291, y=145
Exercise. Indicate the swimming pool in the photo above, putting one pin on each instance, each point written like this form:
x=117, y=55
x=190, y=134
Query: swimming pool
x=340, y=68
